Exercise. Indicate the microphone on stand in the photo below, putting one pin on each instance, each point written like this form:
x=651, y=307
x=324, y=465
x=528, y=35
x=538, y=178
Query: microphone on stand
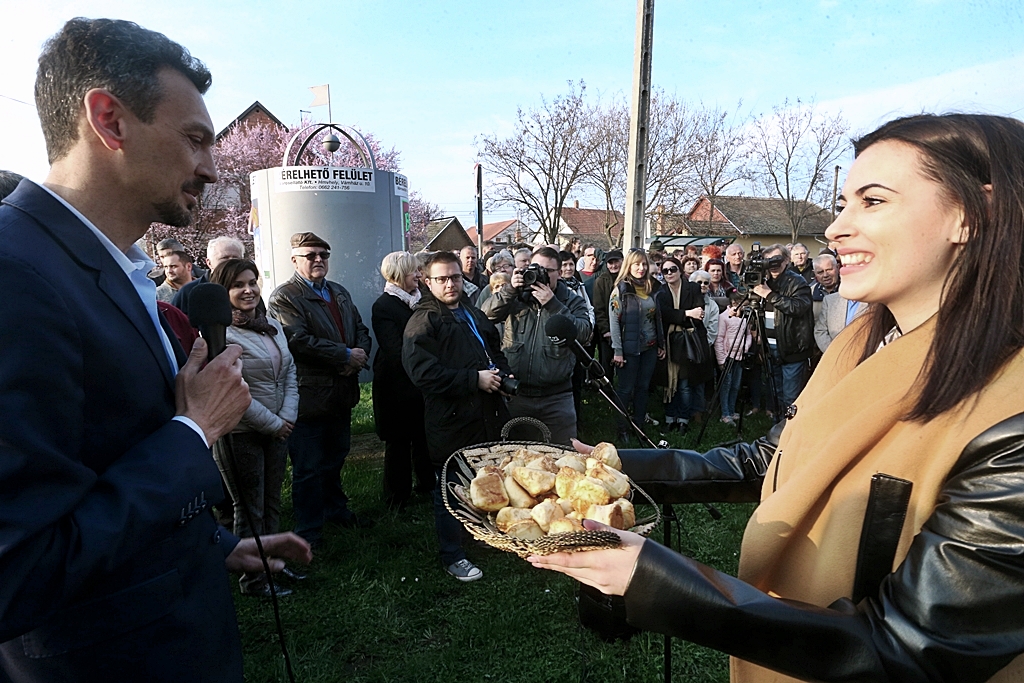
x=209, y=310
x=561, y=330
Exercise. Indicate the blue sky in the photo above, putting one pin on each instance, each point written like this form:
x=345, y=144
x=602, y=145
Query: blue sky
x=428, y=78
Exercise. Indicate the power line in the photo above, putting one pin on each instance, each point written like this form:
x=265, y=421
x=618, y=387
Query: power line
x=12, y=99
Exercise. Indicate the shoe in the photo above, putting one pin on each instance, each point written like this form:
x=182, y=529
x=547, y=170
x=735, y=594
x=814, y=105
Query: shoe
x=466, y=571
x=735, y=416
x=752, y=411
x=650, y=420
x=727, y=420
x=293, y=575
x=263, y=591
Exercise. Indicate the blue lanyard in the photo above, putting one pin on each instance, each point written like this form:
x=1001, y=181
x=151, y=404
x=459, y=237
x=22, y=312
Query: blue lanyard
x=476, y=333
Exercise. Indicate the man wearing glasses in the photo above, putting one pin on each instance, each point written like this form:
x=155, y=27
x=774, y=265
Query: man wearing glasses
x=543, y=369
x=451, y=352
x=330, y=345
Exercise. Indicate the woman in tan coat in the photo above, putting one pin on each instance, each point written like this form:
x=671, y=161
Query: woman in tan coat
x=889, y=542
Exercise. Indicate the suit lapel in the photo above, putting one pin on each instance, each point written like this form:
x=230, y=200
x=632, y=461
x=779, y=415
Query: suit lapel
x=83, y=247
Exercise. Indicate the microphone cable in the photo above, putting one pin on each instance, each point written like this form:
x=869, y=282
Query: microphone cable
x=209, y=310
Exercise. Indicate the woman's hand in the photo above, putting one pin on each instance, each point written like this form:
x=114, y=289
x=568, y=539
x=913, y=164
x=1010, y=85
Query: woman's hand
x=697, y=313
x=285, y=431
x=661, y=353
x=581, y=447
x=609, y=571
x=618, y=361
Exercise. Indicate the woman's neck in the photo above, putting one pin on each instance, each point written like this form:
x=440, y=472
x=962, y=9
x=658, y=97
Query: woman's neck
x=251, y=314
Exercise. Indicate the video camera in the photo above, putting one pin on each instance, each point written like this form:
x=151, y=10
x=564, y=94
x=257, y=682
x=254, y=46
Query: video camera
x=757, y=266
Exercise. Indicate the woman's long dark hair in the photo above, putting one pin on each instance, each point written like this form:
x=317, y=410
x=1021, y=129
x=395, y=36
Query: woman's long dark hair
x=228, y=271
x=980, y=322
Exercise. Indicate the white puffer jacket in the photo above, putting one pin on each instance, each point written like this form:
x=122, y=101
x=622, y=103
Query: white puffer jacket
x=274, y=399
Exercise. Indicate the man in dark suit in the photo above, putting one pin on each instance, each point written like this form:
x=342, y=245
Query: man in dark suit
x=111, y=566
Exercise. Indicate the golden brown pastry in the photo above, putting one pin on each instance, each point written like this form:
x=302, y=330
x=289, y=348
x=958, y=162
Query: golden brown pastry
x=508, y=516
x=573, y=461
x=545, y=513
x=517, y=495
x=628, y=513
x=608, y=454
x=534, y=481
x=588, y=491
x=564, y=503
x=564, y=525
x=487, y=492
x=616, y=482
x=543, y=462
x=566, y=480
x=526, y=530
x=610, y=514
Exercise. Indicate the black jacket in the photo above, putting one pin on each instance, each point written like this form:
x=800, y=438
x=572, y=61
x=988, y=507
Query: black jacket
x=690, y=297
x=443, y=356
x=601, y=291
x=327, y=383
x=794, y=316
x=397, y=403
x=952, y=611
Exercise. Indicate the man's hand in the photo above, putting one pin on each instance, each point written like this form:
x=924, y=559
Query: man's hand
x=517, y=278
x=542, y=293
x=278, y=548
x=214, y=397
x=357, y=358
x=488, y=380
x=661, y=354
x=762, y=291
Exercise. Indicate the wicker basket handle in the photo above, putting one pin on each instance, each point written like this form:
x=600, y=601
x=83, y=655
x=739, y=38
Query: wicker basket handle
x=531, y=421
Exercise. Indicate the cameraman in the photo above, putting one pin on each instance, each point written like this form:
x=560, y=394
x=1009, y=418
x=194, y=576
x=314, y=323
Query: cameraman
x=544, y=370
x=790, y=296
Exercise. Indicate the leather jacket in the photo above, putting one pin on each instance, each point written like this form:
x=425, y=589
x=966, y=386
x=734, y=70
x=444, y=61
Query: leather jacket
x=952, y=611
x=794, y=316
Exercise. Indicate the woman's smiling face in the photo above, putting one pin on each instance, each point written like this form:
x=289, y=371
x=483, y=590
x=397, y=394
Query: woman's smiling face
x=897, y=235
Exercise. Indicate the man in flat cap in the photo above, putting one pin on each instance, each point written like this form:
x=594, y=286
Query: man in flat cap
x=330, y=345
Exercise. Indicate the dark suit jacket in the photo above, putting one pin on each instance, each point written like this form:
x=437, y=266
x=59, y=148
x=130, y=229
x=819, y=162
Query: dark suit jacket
x=111, y=566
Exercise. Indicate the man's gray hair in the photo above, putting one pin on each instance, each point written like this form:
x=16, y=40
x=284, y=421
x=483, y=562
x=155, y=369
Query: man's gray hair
x=824, y=258
x=781, y=248
x=219, y=243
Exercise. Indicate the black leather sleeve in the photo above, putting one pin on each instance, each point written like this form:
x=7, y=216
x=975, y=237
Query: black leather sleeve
x=952, y=611
x=727, y=474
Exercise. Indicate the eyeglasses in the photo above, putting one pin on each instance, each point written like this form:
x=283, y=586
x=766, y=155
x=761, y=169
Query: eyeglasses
x=313, y=255
x=669, y=270
x=443, y=279
x=704, y=283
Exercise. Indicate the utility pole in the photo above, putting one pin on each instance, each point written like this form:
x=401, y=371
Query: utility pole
x=835, y=191
x=479, y=171
x=639, y=115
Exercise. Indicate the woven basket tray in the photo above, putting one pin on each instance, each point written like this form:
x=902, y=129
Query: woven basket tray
x=463, y=465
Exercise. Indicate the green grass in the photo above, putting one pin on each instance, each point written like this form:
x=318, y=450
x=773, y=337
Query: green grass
x=378, y=607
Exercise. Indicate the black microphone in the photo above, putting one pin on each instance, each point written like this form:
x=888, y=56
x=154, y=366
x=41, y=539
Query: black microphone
x=209, y=310
x=561, y=330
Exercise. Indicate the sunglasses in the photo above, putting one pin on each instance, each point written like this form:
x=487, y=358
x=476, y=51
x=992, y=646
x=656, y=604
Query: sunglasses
x=313, y=255
x=670, y=270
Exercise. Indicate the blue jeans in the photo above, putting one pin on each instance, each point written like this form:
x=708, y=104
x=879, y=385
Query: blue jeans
x=730, y=389
x=635, y=384
x=318, y=448
x=790, y=379
x=449, y=530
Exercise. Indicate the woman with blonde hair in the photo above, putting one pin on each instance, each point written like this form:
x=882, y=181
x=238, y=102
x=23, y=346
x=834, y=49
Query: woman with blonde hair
x=397, y=403
x=637, y=337
x=889, y=541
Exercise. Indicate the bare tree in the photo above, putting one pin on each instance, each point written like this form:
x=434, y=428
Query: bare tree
x=795, y=147
x=671, y=138
x=720, y=153
x=545, y=158
x=421, y=212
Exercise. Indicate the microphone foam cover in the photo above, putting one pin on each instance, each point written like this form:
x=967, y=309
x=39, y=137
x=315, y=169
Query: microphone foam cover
x=208, y=304
x=560, y=327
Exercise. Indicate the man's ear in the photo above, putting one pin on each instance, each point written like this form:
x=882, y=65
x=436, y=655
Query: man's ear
x=105, y=115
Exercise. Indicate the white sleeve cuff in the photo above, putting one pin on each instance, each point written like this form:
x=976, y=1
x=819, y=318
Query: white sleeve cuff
x=191, y=423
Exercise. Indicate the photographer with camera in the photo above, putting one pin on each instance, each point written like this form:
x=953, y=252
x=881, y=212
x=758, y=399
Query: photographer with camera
x=543, y=369
x=451, y=354
x=790, y=296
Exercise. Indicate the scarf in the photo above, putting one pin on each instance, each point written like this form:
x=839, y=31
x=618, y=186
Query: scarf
x=258, y=323
x=802, y=541
x=408, y=299
x=671, y=363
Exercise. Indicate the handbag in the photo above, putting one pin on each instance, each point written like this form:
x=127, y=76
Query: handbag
x=690, y=344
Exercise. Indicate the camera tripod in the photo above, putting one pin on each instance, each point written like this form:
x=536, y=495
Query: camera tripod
x=752, y=318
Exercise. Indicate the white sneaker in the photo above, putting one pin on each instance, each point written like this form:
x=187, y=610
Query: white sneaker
x=464, y=570
x=650, y=420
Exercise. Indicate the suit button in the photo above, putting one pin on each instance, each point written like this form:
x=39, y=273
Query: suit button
x=216, y=537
